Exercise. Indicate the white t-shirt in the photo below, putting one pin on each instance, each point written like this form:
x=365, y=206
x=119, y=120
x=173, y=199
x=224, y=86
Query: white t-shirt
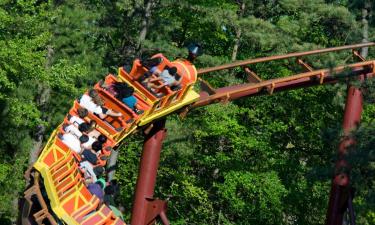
x=86, y=102
x=73, y=130
x=85, y=165
x=168, y=79
x=76, y=120
x=72, y=142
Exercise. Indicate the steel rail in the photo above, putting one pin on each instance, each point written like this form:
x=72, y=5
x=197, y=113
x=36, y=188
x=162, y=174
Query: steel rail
x=273, y=85
x=279, y=57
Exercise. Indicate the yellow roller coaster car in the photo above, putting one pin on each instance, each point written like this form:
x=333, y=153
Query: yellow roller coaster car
x=70, y=199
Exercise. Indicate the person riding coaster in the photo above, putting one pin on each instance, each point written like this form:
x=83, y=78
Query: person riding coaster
x=124, y=93
x=168, y=77
x=93, y=103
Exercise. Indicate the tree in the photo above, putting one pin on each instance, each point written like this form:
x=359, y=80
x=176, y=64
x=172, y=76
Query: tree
x=22, y=39
x=232, y=164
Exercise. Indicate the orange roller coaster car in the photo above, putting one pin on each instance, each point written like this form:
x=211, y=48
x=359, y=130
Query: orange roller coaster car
x=69, y=199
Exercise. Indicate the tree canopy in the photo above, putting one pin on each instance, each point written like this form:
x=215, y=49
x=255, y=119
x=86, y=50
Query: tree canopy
x=259, y=160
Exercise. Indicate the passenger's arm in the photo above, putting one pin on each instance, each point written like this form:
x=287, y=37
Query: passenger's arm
x=102, y=116
x=155, y=79
x=112, y=113
x=160, y=86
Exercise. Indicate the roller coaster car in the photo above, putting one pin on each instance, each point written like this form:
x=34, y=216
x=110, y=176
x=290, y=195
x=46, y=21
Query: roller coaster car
x=58, y=165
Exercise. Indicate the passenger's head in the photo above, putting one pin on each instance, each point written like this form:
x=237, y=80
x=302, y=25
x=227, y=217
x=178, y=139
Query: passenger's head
x=96, y=98
x=82, y=112
x=84, y=138
x=130, y=90
x=101, y=182
x=84, y=127
x=172, y=70
x=102, y=138
x=97, y=146
x=177, y=77
x=98, y=170
x=93, y=93
x=64, y=126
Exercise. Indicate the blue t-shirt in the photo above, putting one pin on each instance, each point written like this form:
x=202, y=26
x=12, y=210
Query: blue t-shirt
x=130, y=101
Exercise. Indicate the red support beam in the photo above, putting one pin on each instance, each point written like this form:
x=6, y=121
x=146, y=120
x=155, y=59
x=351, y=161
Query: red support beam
x=340, y=197
x=145, y=208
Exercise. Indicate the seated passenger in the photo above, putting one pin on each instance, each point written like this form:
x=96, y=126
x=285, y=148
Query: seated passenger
x=73, y=142
x=78, y=132
x=128, y=98
x=77, y=120
x=72, y=129
x=95, y=151
x=88, y=143
x=169, y=77
x=152, y=65
x=88, y=172
x=90, y=156
x=152, y=62
x=111, y=192
x=93, y=102
x=102, y=139
x=124, y=93
x=97, y=147
x=83, y=128
x=89, y=129
x=96, y=189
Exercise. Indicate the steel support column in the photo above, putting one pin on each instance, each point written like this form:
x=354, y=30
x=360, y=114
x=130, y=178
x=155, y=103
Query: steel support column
x=340, y=190
x=145, y=208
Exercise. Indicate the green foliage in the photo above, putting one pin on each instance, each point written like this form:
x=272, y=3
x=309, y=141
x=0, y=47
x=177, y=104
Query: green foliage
x=23, y=38
x=252, y=198
x=252, y=161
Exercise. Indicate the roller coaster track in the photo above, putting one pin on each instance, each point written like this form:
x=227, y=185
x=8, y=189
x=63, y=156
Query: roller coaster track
x=146, y=209
x=312, y=77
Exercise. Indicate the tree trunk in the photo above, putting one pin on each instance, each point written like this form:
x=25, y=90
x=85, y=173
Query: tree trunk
x=236, y=44
x=365, y=16
x=145, y=23
x=38, y=137
x=238, y=32
x=43, y=98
